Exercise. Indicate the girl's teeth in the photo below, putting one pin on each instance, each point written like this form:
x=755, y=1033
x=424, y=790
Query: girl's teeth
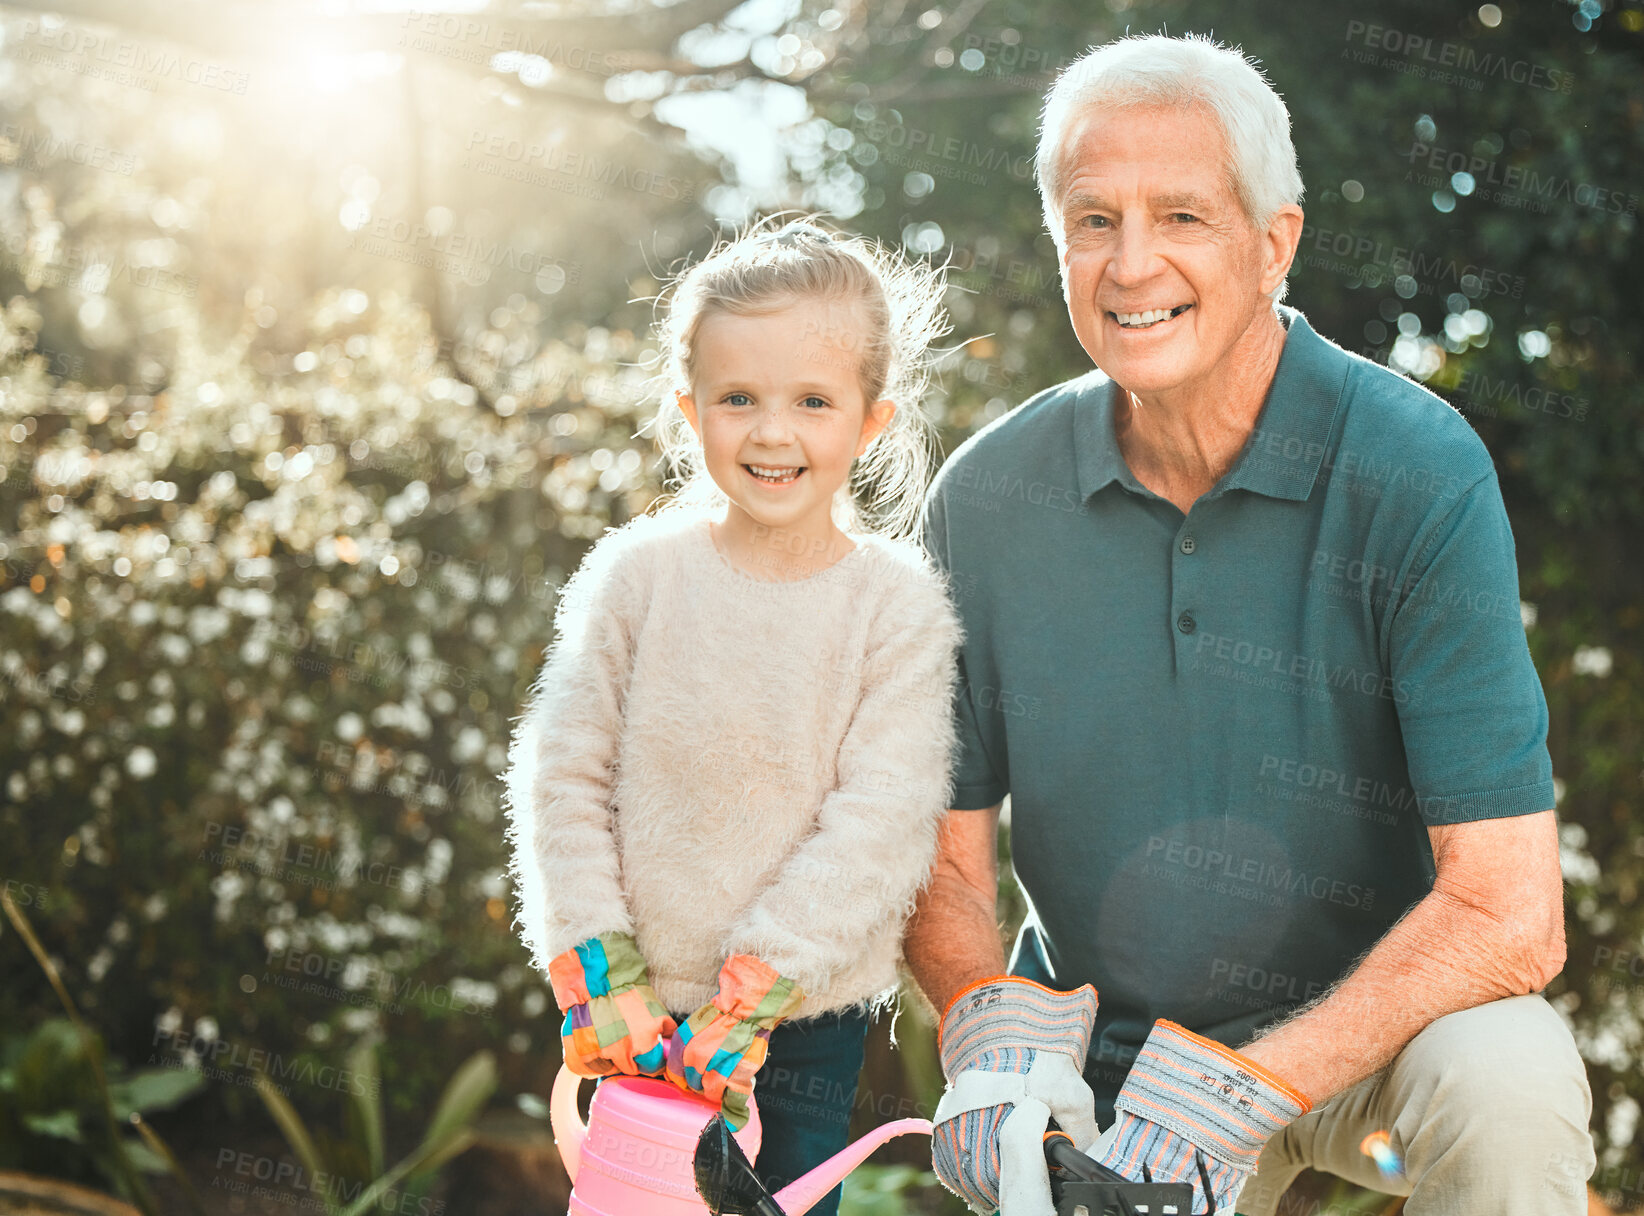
x=765, y=474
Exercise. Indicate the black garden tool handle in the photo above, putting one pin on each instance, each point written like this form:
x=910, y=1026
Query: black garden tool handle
x=1083, y=1186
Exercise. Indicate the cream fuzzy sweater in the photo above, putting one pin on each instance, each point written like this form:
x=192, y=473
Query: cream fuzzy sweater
x=720, y=764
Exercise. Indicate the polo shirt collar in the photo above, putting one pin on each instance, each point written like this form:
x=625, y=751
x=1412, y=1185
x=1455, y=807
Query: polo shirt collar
x=1095, y=450
x=1286, y=448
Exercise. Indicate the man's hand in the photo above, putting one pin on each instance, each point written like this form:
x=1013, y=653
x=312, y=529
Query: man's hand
x=1492, y=927
x=953, y=938
x=1192, y=1111
x=1012, y=1052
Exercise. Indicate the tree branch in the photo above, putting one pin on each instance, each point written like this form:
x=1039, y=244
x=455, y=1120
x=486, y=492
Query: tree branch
x=229, y=27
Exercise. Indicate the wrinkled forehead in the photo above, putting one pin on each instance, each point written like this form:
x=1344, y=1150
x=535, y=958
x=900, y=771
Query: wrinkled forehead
x=1094, y=195
x=1176, y=156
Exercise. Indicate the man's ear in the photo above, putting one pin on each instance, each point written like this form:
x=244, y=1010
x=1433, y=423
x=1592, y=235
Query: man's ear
x=687, y=406
x=875, y=419
x=1279, y=244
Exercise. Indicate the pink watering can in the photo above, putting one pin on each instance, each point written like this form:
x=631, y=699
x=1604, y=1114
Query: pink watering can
x=637, y=1154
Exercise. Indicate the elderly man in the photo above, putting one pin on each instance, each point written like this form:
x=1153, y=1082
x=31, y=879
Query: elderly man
x=1244, y=649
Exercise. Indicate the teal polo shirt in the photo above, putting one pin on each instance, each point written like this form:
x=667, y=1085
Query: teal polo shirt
x=1224, y=734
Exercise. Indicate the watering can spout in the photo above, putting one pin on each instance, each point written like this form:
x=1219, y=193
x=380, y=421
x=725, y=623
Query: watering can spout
x=804, y=1193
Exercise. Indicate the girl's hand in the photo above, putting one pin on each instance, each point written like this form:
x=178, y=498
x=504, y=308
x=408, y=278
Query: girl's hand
x=719, y=1047
x=613, y=1021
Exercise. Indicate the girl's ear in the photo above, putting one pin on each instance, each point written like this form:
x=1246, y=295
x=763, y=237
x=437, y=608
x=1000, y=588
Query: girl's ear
x=875, y=419
x=687, y=406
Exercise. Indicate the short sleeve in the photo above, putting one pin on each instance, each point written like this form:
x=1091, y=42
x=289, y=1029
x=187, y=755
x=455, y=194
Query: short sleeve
x=1470, y=705
x=979, y=782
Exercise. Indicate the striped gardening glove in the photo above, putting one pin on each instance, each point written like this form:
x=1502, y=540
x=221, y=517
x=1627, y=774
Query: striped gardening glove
x=1194, y=1111
x=719, y=1048
x=1012, y=1052
x=613, y=1021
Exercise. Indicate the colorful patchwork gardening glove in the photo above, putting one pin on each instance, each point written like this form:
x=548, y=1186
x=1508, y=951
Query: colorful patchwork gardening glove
x=613, y=1021
x=717, y=1050
x=1194, y=1111
x=1013, y=1053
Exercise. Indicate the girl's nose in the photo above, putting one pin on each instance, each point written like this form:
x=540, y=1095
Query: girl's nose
x=772, y=427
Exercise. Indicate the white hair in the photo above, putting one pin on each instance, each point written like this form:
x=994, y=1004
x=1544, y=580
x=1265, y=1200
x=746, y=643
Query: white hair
x=1156, y=70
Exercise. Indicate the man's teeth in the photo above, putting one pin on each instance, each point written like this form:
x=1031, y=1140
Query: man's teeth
x=766, y=473
x=1141, y=320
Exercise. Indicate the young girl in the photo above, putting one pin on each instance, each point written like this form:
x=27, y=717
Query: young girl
x=725, y=788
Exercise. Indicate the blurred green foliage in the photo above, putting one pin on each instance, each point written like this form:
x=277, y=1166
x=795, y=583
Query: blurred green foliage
x=889, y=1190
x=51, y=1106
x=358, y=1157
x=64, y=1103
x=284, y=502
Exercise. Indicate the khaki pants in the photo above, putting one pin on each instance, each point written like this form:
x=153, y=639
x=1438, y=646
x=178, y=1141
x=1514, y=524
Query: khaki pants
x=1486, y=1108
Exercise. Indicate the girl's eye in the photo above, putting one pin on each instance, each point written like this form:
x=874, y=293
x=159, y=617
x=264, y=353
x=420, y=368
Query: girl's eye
x=738, y=399
x=817, y=401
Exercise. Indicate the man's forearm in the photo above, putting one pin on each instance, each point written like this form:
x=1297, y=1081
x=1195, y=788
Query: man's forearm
x=953, y=937
x=952, y=940
x=1445, y=955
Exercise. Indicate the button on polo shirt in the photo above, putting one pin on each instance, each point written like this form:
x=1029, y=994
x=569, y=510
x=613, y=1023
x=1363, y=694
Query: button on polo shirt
x=1224, y=734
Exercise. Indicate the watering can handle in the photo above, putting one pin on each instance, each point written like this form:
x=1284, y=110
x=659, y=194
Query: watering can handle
x=569, y=1129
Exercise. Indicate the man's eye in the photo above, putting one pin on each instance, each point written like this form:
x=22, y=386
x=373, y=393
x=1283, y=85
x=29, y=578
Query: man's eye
x=1185, y=217
x=1093, y=221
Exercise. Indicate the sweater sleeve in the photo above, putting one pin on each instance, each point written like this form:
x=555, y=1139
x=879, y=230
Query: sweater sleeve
x=563, y=758
x=861, y=867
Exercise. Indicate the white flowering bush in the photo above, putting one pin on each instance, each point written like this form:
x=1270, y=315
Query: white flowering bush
x=262, y=634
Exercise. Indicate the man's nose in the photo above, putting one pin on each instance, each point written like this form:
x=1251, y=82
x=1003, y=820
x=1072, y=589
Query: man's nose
x=1135, y=254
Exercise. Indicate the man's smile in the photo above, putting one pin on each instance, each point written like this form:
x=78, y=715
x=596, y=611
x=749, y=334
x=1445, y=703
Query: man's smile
x=1147, y=319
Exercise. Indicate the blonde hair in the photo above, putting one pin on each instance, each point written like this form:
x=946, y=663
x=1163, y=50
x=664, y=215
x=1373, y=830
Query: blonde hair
x=766, y=267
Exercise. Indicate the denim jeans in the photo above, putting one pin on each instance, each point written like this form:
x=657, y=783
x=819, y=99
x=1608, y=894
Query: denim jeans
x=805, y=1092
